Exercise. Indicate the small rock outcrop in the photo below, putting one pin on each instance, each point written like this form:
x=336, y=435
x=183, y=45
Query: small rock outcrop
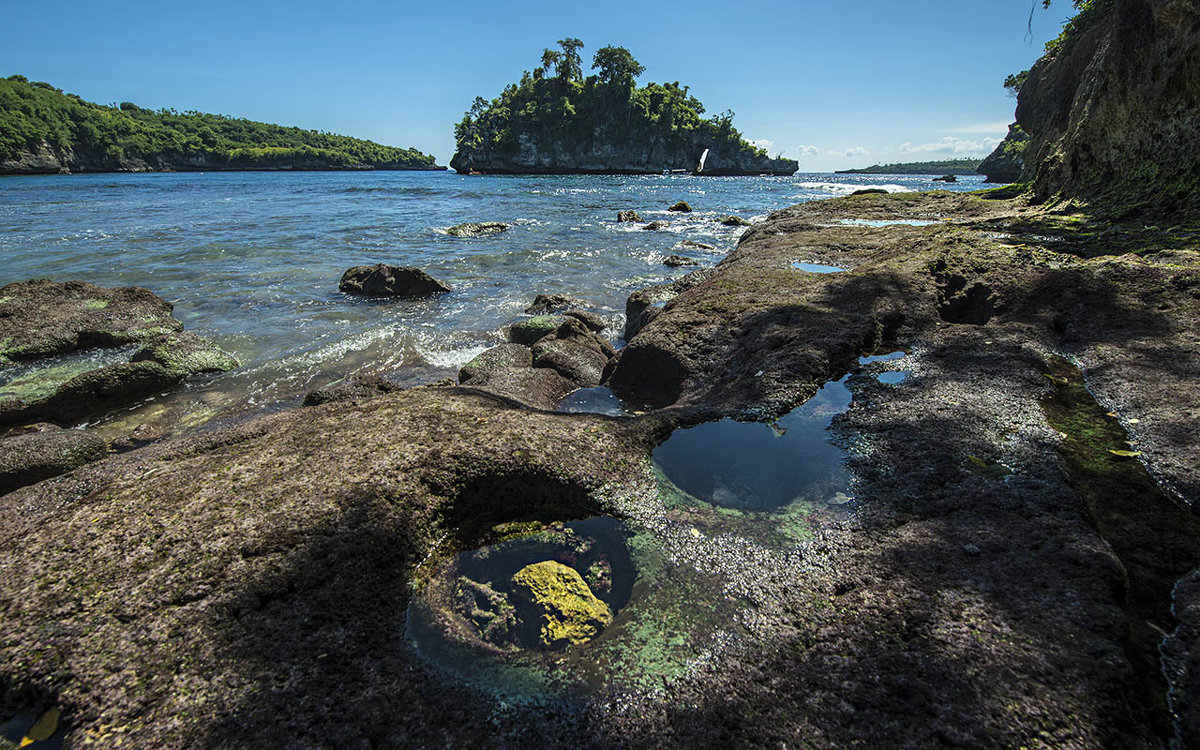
x=568, y=610
x=352, y=391
x=477, y=228
x=383, y=280
x=870, y=191
x=1005, y=163
x=629, y=216
x=675, y=261
x=681, y=207
x=42, y=451
x=657, y=225
x=735, y=221
x=528, y=331
x=544, y=304
x=497, y=358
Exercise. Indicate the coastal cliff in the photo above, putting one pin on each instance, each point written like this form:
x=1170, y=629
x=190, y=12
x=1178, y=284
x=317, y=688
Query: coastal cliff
x=1004, y=164
x=44, y=131
x=1113, y=108
x=562, y=123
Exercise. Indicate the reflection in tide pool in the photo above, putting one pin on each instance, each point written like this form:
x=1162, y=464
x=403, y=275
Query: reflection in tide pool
x=816, y=267
x=752, y=466
x=598, y=400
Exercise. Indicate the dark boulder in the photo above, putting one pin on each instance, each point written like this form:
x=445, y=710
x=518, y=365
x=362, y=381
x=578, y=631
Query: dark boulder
x=382, y=280
x=870, y=191
x=579, y=363
x=539, y=387
x=698, y=245
x=735, y=221
x=657, y=225
x=43, y=451
x=477, y=228
x=946, y=178
x=675, y=261
x=590, y=319
x=629, y=216
x=553, y=303
x=681, y=207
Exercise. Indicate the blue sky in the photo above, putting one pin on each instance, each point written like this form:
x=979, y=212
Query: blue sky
x=835, y=84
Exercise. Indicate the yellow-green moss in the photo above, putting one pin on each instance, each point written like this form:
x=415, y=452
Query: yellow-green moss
x=570, y=612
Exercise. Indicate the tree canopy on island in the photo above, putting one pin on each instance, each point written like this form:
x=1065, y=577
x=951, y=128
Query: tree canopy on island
x=556, y=105
x=35, y=115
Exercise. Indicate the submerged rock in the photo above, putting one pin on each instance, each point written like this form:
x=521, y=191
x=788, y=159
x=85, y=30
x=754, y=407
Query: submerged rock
x=43, y=451
x=569, y=612
x=681, y=207
x=475, y=229
x=629, y=216
x=654, y=226
x=383, y=280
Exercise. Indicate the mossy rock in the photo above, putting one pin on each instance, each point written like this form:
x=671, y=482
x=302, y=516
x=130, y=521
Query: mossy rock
x=528, y=331
x=735, y=221
x=681, y=207
x=496, y=358
x=477, y=228
x=570, y=613
x=629, y=216
x=186, y=354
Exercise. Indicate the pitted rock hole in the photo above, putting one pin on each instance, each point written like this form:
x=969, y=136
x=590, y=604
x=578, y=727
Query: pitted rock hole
x=960, y=303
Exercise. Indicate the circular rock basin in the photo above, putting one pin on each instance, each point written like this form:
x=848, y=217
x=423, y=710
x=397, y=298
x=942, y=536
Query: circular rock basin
x=564, y=611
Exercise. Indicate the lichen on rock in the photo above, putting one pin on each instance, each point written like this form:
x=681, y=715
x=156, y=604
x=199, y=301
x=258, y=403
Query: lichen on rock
x=569, y=612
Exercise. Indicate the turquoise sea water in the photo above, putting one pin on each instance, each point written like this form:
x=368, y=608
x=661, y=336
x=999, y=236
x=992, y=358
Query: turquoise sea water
x=252, y=260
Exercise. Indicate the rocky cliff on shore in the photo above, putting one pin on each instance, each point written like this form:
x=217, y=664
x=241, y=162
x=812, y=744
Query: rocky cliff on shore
x=1113, y=110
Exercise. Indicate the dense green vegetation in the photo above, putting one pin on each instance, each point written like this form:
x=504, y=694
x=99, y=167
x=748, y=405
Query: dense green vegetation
x=109, y=137
x=945, y=166
x=555, y=105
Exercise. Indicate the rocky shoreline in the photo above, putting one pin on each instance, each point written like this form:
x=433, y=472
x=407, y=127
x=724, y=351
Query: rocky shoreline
x=249, y=586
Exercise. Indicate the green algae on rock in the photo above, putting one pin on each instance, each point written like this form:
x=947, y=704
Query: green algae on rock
x=569, y=612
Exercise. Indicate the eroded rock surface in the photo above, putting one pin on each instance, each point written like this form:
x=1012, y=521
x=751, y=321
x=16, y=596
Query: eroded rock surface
x=383, y=280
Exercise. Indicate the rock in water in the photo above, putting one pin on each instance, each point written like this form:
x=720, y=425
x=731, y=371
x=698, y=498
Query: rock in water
x=528, y=331
x=382, y=280
x=675, y=261
x=656, y=225
x=629, y=216
x=735, y=221
x=681, y=207
x=568, y=610
x=552, y=303
x=476, y=228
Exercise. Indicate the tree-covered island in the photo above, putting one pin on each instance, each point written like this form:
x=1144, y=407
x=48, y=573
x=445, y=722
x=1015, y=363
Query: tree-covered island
x=556, y=121
x=43, y=130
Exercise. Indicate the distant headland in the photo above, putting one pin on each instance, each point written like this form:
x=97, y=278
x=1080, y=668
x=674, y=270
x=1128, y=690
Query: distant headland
x=943, y=167
x=44, y=131
x=556, y=121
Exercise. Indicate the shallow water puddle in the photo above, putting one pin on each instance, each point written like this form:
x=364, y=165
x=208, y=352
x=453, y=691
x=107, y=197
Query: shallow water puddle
x=561, y=611
x=770, y=482
x=816, y=267
x=886, y=222
x=598, y=400
x=888, y=377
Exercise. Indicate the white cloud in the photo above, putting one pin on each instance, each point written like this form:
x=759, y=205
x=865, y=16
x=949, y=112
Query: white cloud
x=808, y=150
x=763, y=143
x=856, y=151
x=951, y=145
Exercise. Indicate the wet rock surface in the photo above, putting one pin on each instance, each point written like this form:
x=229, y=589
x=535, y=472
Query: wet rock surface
x=477, y=228
x=383, y=280
x=975, y=595
x=72, y=351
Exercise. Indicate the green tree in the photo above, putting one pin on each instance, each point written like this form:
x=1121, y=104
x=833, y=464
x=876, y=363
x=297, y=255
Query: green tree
x=570, y=65
x=617, y=66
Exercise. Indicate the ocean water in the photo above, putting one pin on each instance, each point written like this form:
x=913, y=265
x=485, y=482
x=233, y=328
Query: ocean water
x=252, y=260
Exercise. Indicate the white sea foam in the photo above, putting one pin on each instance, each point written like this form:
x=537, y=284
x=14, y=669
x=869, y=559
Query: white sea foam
x=451, y=359
x=841, y=188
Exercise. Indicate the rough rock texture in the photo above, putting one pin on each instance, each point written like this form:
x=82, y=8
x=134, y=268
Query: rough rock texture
x=644, y=304
x=629, y=216
x=655, y=226
x=1006, y=161
x=43, y=451
x=1114, y=112
x=675, y=261
x=357, y=389
x=573, y=360
x=496, y=358
x=249, y=587
x=537, y=387
x=553, y=303
x=477, y=228
x=735, y=221
x=527, y=332
x=594, y=321
x=383, y=280
x=568, y=610
x=41, y=318
x=681, y=207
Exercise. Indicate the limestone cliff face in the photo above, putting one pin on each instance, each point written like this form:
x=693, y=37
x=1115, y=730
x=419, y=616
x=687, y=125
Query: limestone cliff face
x=1114, y=113
x=598, y=155
x=1006, y=162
